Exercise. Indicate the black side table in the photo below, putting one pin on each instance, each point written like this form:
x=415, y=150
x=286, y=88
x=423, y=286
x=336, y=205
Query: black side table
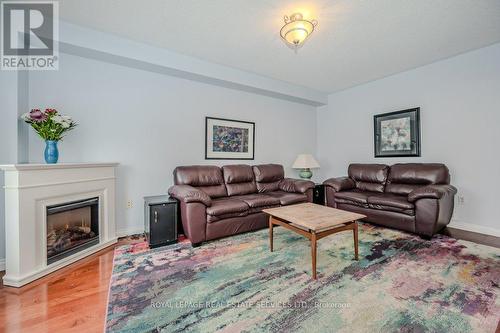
x=160, y=220
x=319, y=194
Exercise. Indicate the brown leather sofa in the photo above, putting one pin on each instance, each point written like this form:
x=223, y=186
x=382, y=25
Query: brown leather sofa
x=414, y=197
x=217, y=202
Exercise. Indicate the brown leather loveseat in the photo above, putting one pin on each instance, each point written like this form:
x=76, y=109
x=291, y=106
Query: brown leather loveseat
x=217, y=202
x=414, y=197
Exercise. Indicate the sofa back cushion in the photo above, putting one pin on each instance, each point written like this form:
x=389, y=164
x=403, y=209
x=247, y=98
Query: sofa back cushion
x=239, y=179
x=369, y=177
x=207, y=178
x=406, y=177
x=268, y=176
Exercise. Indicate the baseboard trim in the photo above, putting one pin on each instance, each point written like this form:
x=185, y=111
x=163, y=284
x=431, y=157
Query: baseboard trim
x=129, y=232
x=475, y=228
x=473, y=233
x=2, y=264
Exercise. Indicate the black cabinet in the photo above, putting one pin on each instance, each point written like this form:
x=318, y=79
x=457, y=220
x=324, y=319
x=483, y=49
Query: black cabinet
x=319, y=194
x=160, y=220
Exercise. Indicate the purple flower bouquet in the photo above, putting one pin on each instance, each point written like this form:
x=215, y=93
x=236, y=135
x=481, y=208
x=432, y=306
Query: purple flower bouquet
x=49, y=124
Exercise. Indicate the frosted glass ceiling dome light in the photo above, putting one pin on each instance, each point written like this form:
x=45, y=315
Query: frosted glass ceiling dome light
x=296, y=30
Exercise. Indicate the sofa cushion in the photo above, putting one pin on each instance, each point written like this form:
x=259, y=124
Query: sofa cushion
x=286, y=198
x=268, y=187
x=214, y=218
x=369, y=177
x=207, y=178
x=409, y=212
x=237, y=173
x=383, y=217
x=268, y=176
x=268, y=172
x=198, y=175
x=254, y=210
x=352, y=197
x=407, y=177
x=225, y=206
x=239, y=179
x=241, y=188
x=391, y=202
x=258, y=200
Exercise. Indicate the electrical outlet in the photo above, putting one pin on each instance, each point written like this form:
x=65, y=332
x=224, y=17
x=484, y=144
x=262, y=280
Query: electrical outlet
x=461, y=200
x=130, y=204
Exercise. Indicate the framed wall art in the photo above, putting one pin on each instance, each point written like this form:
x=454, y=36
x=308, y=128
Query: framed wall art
x=397, y=134
x=227, y=139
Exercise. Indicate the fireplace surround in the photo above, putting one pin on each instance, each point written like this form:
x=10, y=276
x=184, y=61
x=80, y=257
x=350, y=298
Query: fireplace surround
x=35, y=196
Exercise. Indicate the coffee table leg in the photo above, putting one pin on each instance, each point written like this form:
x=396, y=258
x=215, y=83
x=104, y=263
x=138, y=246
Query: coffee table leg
x=271, y=233
x=313, y=254
x=355, y=231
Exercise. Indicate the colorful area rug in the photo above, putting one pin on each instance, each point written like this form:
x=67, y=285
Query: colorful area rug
x=401, y=284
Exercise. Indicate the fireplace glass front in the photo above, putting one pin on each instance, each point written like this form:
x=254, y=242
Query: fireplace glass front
x=71, y=227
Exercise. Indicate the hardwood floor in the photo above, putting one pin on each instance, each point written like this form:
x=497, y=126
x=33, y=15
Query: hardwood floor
x=472, y=236
x=72, y=299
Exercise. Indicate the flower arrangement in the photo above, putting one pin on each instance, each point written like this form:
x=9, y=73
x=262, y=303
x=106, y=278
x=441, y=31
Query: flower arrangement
x=49, y=124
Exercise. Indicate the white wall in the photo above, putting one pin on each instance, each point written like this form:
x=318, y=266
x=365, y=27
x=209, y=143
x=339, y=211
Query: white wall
x=151, y=123
x=460, y=118
x=8, y=140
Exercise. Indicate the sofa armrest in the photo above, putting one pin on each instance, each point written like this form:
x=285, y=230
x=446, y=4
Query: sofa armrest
x=431, y=192
x=188, y=194
x=295, y=185
x=433, y=208
x=340, y=183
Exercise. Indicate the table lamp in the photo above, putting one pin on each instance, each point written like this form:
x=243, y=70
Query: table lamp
x=305, y=162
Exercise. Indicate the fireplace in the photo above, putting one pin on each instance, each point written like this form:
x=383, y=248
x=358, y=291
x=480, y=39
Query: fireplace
x=32, y=188
x=71, y=227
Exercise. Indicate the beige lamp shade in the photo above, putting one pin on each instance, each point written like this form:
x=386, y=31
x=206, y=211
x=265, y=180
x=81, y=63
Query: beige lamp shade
x=305, y=161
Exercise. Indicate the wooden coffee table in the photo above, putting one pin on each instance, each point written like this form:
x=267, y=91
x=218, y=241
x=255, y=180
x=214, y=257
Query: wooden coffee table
x=313, y=222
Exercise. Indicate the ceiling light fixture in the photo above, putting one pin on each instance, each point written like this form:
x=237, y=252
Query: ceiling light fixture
x=296, y=30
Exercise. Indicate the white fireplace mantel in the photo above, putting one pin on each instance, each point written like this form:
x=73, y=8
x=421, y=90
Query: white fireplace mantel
x=29, y=189
x=33, y=166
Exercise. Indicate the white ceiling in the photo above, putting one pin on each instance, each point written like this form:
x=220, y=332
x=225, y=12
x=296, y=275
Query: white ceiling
x=356, y=40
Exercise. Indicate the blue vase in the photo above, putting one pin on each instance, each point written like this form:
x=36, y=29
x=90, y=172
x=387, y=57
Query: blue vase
x=51, y=152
